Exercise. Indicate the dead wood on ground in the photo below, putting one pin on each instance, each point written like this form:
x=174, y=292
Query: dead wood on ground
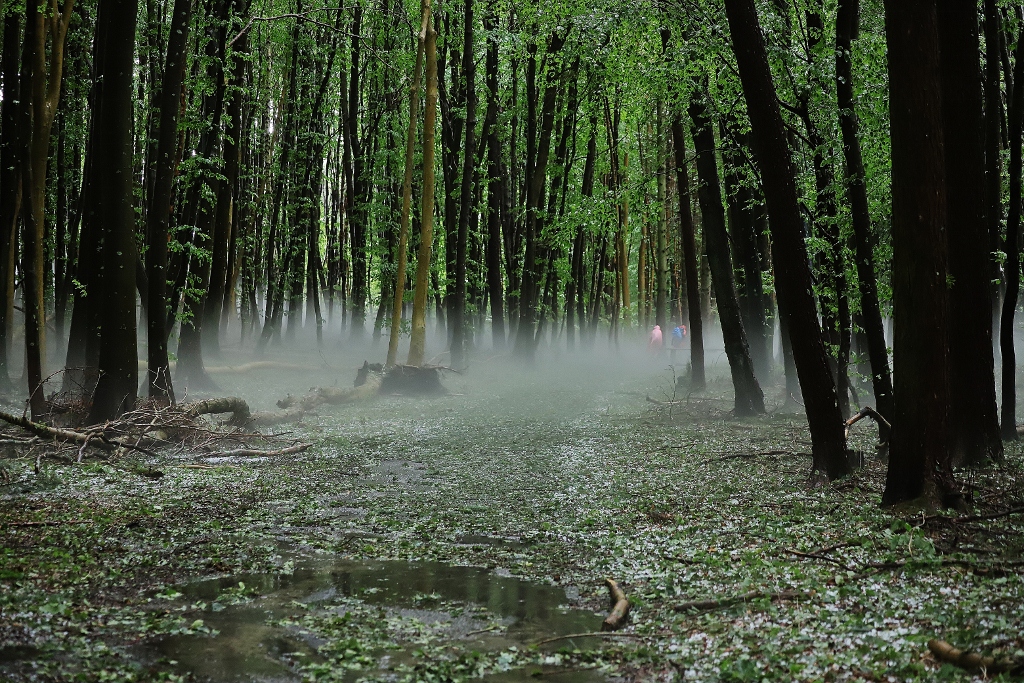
x=972, y=661
x=620, y=607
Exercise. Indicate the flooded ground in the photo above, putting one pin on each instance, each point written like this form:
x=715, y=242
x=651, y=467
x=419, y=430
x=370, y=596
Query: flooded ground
x=443, y=539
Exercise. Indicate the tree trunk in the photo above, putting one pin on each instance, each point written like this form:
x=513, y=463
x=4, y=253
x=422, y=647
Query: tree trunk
x=417, y=345
x=118, y=358
x=919, y=463
x=690, y=256
x=159, y=215
x=749, y=400
x=458, y=321
x=410, y=151
x=974, y=423
x=11, y=144
x=789, y=253
x=495, y=184
x=1008, y=425
x=856, y=189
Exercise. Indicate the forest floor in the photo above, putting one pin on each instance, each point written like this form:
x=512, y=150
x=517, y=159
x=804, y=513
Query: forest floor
x=443, y=539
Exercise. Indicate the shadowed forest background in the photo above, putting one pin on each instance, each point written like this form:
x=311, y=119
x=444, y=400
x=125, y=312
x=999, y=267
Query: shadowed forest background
x=761, y=220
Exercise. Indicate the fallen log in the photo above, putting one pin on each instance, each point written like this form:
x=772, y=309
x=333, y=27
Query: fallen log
x=368, y=385
x=620, y=607
x=972, y=661
x=239, y=409
x=241, y=416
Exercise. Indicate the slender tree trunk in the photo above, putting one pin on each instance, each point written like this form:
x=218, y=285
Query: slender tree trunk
x=919, y=463
x=749, y=400
x=159, y=215
x=974, y=423
x=789, y=253
x=1008, y=426
x=690, y=256
x=458, y=322
x=495, y=184
x=11, y=144
x=417, y=345
x=410, y=151
x=993, y=166
x=856, y=189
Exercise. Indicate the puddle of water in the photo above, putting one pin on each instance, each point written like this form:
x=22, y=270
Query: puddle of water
x=248, y=648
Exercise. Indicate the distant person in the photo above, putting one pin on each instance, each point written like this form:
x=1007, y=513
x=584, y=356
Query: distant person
x=678, y=335
x=654, y=341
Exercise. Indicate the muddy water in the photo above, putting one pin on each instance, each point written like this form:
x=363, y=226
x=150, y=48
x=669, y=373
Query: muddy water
x=248, y=647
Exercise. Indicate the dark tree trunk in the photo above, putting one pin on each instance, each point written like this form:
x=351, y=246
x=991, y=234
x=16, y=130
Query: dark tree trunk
x=993, y=166
x=856, y=188
x=495, y=185
x=159, y=215
x=743, y=227
x=973, y=418
x=919, y=463
x=536, y=180
x=749, y=398
x=690, y=256
x=467, y=194
x=1008, y=425
x=118, y=358
x=789, y=253
x=11, y=142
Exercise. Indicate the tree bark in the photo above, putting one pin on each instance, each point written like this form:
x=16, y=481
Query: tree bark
x=159, y=214
x=495, y=184
x=789, y=253
x=749, y=399
x=118, y=358
x=856, y=189
x=467, y=194
x=417, y=345
x=1008, y=425
x=690, y=256
x=974, y=423
x=919, y=463
x=410, y=151
x=11, y=144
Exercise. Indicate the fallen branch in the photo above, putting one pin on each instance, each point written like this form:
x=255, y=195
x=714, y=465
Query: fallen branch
x=601, y=634
x=759, y=454
x=334, y=395
x=866, y=411
x=972, y=661
x=620, y=607
x=705, y=605
x=247, y=452
x=45, y=432
x=817, y=556
x=663, y=403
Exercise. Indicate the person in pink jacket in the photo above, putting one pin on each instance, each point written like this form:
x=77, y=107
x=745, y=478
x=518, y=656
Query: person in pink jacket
x=654, y=341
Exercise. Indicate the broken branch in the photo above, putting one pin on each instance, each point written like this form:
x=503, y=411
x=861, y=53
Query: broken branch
x=620, y=607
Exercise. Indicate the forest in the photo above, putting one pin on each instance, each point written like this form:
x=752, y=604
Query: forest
x=448, y=340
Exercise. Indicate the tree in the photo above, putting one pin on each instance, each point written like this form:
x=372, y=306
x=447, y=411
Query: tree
x=789, y=253
x=856, y=190
x=749, y=400
x=919, y=462
x=159, y=215
x=115, y=286
x=973, y=420
x=42, y=67
x=417, y=345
